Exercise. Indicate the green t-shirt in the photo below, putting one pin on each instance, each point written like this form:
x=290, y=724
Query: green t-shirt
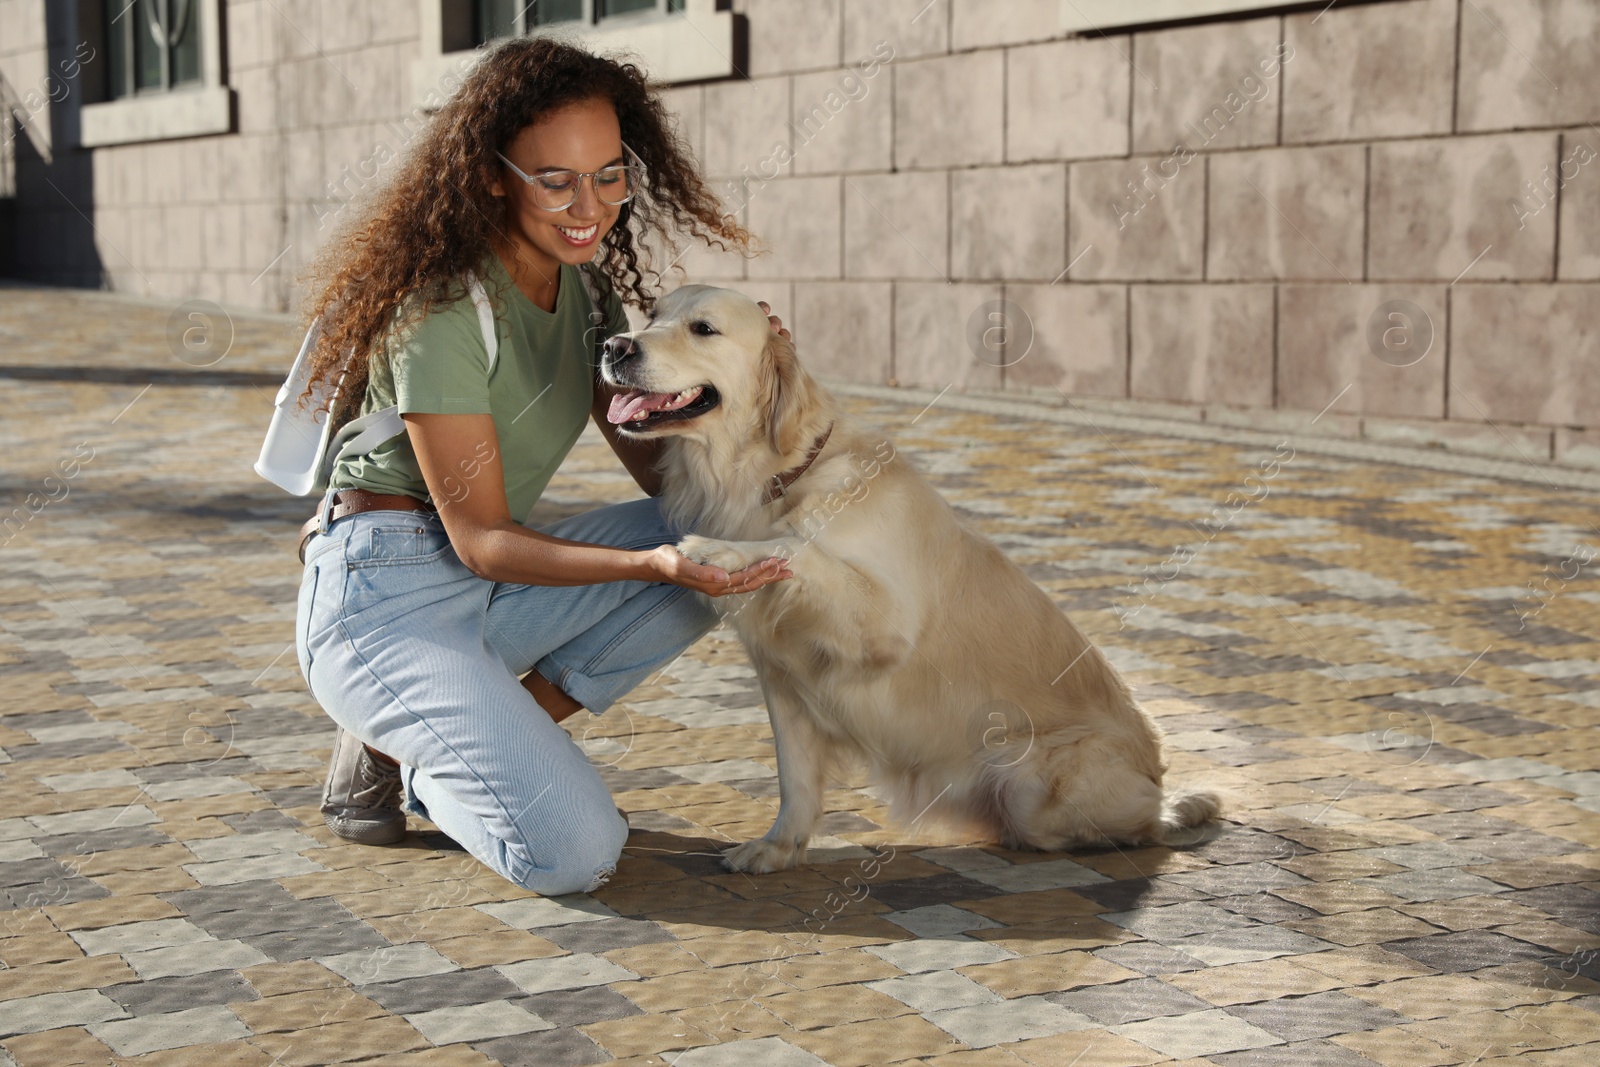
x=539, y=391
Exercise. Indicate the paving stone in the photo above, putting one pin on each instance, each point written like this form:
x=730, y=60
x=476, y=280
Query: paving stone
x=48, y=1011
x=1123, y=1002
x=447, y=989
x=387, y=964
x=1239, y=879
x=941, y=955
x=195, y=958
x=563, y=1047
x=151, y=1033
x=939, y=920
x=476, y=1022
x=1197, y=1034
x=535, y=912
x=307, y=942
x=137, y=937
x=905, y=894
x=605, y=934
x=1150, y=958
x=578, y=1007
x=163, y=995
x=564, y=972
x=300, y=915
x=983, y=1025
x=91, y=842
x=1316, y=1016
x=1302, y=1053
x=767, y=1051
x=1175, y=921
x=1130, y=893
x=932, y=991
x=1432, y=884
x=1468, y=950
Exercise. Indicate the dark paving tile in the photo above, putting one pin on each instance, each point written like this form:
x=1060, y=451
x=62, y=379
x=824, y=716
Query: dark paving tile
x=660, y=820
x=1246, y=755
x=620, y=780
x=240, y=896
x=1468, y=950
x=1298, y=1054
x=181, y=772
x=1347, y=787
x=1318, y=1015
x=1147, y=957
x=1572, y=905
x=603, y=935
x=757, y=787
x=298, y=796
x=935, y=889
x=158, y=995
x=563, y=1047
x=327, y=941
x=95, y=841
x=66, y=750
x=1131, y=1001
x=457, y=988
x=1238, y=879
x=33, y=872
x=1129, y=893
x=304, y=915
x=70, y=890
x=1524, y=845
x=1466, y=797
x=1460, y=824
x=579, y=1007
x=1248, y=846
x=1266, y=908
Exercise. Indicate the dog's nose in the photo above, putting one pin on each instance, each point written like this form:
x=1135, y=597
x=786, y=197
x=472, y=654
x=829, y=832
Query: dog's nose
x=621, y=349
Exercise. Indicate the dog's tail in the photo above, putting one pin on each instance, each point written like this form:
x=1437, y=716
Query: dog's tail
x=1185, y=814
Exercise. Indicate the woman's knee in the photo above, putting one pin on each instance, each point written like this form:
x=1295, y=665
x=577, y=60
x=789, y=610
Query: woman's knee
x=574, y=858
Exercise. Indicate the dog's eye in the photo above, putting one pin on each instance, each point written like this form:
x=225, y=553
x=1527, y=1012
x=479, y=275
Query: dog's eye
x=703, y=328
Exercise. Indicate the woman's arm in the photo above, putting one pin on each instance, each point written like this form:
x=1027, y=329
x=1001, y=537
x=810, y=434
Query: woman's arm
x=470, y=494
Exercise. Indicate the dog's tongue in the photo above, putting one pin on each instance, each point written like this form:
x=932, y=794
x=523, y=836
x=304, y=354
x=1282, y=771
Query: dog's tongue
x=626, y=406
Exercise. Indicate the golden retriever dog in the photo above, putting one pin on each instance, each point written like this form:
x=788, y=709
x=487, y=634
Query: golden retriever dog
x=905, y=638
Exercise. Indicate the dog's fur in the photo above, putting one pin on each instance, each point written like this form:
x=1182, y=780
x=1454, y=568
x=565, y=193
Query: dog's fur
x=905, y=638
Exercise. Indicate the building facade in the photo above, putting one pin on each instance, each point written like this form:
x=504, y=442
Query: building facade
x=1375, y=219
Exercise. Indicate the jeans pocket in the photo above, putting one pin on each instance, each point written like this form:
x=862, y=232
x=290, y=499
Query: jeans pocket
x=397, y=544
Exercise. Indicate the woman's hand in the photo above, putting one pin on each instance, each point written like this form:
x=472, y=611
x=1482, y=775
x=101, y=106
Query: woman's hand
x=674, y=567
x=777, y=323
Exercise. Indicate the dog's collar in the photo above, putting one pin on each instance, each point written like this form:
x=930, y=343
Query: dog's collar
x=784, y=479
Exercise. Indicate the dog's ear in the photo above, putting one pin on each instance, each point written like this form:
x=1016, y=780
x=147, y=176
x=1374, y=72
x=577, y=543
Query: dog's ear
x=786, y=393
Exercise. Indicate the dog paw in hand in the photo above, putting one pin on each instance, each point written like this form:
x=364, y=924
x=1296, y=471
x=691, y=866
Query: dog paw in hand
x=763, y=857
x=713, y=553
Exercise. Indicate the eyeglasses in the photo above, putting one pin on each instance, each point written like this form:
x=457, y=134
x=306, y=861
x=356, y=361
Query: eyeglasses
x=557, y=189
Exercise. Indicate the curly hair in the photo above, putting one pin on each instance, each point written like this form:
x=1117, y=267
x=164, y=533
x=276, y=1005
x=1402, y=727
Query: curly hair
x=435, y=219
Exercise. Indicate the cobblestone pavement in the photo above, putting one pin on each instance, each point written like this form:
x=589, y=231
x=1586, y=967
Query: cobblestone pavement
x=1394, y=672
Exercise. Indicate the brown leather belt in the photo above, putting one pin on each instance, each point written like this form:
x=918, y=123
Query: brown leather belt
x=354, y=502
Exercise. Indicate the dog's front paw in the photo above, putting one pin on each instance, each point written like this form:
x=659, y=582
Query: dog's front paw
x=763, y=857
x=713, y=553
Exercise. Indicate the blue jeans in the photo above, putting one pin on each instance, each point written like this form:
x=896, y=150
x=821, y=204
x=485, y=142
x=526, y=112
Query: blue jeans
x=415, y=655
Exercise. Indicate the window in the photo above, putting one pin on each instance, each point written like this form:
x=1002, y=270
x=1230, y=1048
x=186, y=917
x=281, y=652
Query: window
x=493, y=19
x=156, y=71
x=675, y=40
x=152, y=45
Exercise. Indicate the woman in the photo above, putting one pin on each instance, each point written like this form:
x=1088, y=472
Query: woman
x=445, y=637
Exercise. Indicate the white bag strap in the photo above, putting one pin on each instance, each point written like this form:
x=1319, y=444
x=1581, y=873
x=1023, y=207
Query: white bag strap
x=480, y=299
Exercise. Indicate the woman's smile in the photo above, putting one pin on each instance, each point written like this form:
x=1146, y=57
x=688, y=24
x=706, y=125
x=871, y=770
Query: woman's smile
x=580, y=237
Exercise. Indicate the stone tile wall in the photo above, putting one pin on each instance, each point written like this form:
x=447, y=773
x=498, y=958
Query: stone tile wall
x=1204, y=220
